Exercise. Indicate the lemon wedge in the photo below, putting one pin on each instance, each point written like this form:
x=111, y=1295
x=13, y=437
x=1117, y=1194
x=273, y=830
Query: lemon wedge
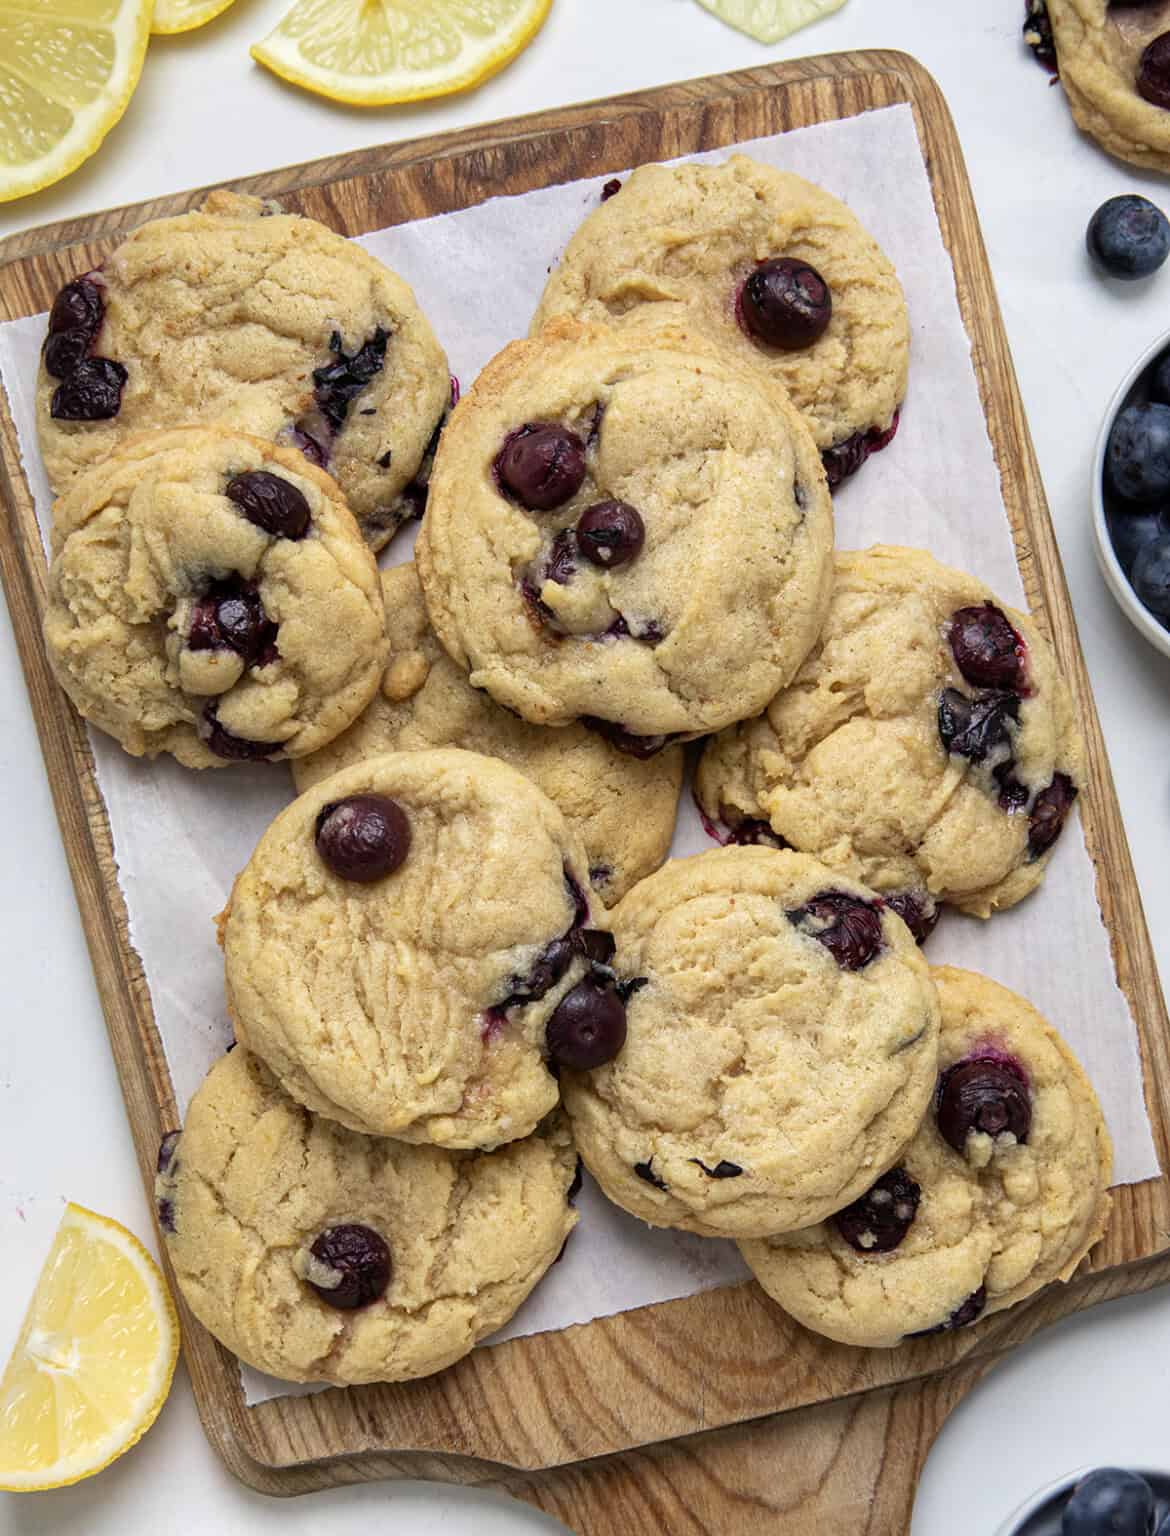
x=770, y=20
x=372, y=53
x=67, y=71
x=172, y=16
x=94, y=1360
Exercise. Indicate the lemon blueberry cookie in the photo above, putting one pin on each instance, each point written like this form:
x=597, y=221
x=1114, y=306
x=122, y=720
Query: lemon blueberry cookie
x=622, y=809
x=629, y=530
x=317, y=1254
x=210, y=596
x=927, y=746
x=1114, y=63
x=1003, y=1189
x=779, y=271
x=782, y=1046
x=267, y=322
x=412, y=943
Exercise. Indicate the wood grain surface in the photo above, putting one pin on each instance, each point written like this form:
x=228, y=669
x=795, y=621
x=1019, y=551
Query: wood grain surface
x=714, y=1414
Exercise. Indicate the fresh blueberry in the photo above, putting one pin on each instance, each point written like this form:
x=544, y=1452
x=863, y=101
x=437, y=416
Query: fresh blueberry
x=363, y=837
x=786, y=303
x=987, y=649
x=610, y=533
x=1109, y=1502
x=849, y=928
x=879, y=1221
x=987, y=1095
x=227, y=744
x=1150, y=577
x=338, y=383
x=1132, y=528
x=588, y=1025
x=271, y=502
x=976, y=728
x=541, y=465
x=360, y=1264
x=1128, y=237
x=92, y=392
x=917, y=909
x=1153, y=72
x=1049, y=813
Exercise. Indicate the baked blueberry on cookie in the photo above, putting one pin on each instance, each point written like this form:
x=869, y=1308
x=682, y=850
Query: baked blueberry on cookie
x=622, y=808
x=927, y=746
x=413, y=951
x=779, y=271
x=210, y=596
x=249, y=318
x=782, y=1046
x=1003, y=1189
x=1114, y=63
x=316, y=1254
x=626, y=529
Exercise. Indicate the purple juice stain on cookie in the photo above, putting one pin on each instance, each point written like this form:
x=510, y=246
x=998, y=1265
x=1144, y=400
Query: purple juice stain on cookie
x=541, y=465
x=849, y=928
x=985, y=1095
x=1049, y=813
x=362, y=838
x=846, y=458
x=965, y=1314
x=352, y=1266
x=271, y=503
x=987, y=649
x=881, y=1218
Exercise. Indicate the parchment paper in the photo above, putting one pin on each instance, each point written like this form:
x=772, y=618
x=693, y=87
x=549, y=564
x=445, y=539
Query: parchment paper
x=180, y=837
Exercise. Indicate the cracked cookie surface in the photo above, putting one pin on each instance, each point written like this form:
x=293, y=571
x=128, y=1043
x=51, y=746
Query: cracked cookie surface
x=254, y=1180
x=415, y=1006
x=994, y=1222
x=1098, y=47
x=426, y=701
x=715, y=588
x=769, y=1071
x=677, y=243
x=849, y=762
x=178, y=622
x=265, y=322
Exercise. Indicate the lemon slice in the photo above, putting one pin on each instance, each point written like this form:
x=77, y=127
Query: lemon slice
x=67, y=71
x=770, y=20
x=375, y=52
x=94, y=1360
x=172, y=16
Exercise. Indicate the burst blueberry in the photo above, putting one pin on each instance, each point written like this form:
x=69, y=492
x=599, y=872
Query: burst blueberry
x=849, y=928
x=92, y=391
x=985, y=1096
x=881, y=1218
x=353, y=1266
x=987, y=649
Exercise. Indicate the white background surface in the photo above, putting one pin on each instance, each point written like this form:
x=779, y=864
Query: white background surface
x=1094, y=1389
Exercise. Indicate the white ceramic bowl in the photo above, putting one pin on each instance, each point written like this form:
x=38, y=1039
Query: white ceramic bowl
x=1030, y=1506
x=1115, y=577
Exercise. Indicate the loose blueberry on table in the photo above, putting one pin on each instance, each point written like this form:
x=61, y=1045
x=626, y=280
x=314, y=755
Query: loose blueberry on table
x=363, y=838
x=1128, y=237
x=357, y=1262
x=986, y=1095
x=881, y=1218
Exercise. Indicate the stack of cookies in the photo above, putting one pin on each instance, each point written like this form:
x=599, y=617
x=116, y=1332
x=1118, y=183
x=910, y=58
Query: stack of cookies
x=457, y=960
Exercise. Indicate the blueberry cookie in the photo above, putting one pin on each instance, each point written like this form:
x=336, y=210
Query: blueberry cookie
x=210, y=596
x=412, y=944
x=1003, y=1190
x=628, y=530
x=622, y=809
x=1114, y=63
x=316, y=1254
x=777, y=270
x=927, y=746
x=249, y=318
x=782, y=1048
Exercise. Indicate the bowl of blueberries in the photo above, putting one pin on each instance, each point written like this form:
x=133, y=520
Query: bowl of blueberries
x=1129, y=238
x=1104, y=1502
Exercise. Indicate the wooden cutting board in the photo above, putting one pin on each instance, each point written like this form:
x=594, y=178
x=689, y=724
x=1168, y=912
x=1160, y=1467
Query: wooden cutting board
x=714, y=1414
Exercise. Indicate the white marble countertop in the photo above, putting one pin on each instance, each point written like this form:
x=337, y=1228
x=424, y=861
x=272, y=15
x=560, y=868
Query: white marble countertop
x=1085, y=1392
